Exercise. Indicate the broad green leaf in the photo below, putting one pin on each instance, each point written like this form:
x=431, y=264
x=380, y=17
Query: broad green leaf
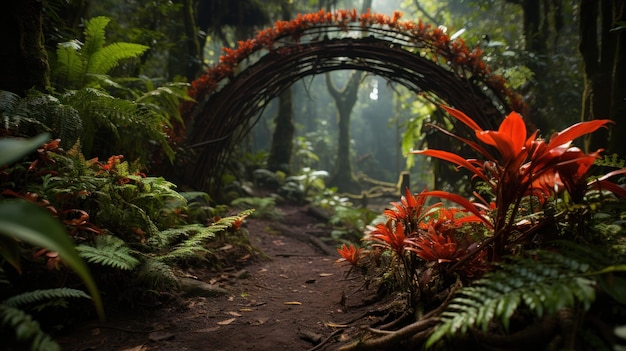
x=27, y=222
x=12, y=149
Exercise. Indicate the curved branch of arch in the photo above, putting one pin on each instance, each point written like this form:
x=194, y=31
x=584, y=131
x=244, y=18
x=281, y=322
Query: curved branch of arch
x=231, y=95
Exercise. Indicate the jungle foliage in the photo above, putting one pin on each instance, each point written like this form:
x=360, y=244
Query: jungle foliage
x=533, y=251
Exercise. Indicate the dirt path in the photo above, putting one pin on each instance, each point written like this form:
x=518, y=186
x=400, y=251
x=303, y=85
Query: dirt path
x=277, y=304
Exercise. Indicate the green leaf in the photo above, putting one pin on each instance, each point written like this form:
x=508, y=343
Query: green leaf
x=12, y=150
x=27, y=222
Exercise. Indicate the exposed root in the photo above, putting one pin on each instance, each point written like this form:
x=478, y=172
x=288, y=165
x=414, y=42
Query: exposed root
x=394, y=339
x=407, y=336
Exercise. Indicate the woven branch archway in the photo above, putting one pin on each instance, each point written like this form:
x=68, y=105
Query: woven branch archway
x=231, y=96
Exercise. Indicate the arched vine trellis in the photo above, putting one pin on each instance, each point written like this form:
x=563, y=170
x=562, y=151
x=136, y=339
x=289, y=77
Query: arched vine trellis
x=231, y=95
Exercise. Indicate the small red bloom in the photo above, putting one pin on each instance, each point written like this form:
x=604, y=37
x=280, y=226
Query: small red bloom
x=390, y=235
x=434, y=246
x=349, y=254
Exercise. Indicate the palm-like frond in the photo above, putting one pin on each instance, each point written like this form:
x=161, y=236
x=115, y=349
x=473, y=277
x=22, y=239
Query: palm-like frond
x=166, y=100
x=8, y=102
x=108, y=251
x=543, y=285
x=156, y=275
x=70, y=66
x=78, y=63
x=24, y=330
x=110, y=56
x=95, y=35
x=36, y=296
x=192, y=238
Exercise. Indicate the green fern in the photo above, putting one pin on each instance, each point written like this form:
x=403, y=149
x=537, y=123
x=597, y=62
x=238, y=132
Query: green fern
x=24, y=330
x=192, y=238
x=78, y=65
x=37, y=296
x=191, y=246
x=21, y=327
x=38, y=113
x=156, y=275
x=542, y=284
x=108, y=251
x=166, y=100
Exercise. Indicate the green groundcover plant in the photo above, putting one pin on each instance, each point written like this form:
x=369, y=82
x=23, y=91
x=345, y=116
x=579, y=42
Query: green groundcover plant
x=60, y=211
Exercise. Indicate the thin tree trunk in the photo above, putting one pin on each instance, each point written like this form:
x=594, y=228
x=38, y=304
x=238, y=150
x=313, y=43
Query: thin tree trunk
x=343, y=176
x=345, y=99
x=605, y=83
x=282, y=141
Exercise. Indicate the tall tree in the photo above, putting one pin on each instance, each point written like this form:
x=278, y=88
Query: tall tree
x=186, y=59
x=542, y=25
x=282, y=140
x=345, y=99
x=603, y=47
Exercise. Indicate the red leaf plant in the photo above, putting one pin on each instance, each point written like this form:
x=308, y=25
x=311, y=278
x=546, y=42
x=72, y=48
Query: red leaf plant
x=424, y=241
x=516, y=165
x=350, y=254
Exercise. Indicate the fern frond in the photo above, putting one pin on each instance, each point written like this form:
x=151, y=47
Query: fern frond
x=110, y=56
x=195, y=236
x=108, y=251
x=21, y=325
x=47, y=114
x=70, y=68
x=166, y=100
x=543, y=285
x=36, y=296
x=156, y=275
x=8, y=102
x=192, y=245
x=94, y=35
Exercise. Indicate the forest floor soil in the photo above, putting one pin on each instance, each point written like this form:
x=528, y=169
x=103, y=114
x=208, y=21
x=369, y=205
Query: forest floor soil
x=297, y=298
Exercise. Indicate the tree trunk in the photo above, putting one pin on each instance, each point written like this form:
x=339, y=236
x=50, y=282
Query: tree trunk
x=343, y=176
x=23, y=56
x=282, y=141
x=186, y=58
x=604, y=56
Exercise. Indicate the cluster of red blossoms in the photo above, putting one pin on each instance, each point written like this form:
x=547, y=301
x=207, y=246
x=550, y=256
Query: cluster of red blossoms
x=454, y=52
x=515, y=165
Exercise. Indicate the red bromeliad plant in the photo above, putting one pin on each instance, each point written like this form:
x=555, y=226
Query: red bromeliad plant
x=423, y=242
x=433, y=244
x=517, y=166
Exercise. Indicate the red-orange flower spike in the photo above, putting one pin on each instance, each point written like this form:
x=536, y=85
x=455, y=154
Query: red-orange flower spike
x=390, y=235
x=434, y=246
x=350, y=254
